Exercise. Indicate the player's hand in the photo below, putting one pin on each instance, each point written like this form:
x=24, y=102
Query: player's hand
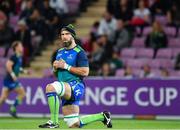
x=59, y=64
x=14, y=78
x=28, y=71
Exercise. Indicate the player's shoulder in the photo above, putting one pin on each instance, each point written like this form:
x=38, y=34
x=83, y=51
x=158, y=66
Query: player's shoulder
x=61, y=49
x=78, y=49
x=13, y=56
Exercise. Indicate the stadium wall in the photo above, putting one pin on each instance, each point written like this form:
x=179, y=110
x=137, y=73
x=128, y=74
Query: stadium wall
x=145, y=98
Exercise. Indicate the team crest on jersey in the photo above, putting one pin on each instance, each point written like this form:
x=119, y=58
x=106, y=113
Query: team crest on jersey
x=70, y=56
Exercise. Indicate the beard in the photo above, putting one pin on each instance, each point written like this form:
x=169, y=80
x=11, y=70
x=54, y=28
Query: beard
x=67, y=43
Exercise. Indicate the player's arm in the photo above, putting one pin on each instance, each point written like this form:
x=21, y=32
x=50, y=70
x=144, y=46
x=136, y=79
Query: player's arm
x=9, y=66
x=82, y=71
x=82, y=68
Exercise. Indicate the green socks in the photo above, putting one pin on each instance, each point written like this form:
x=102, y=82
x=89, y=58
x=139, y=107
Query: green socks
x=53, y=102
x=91, y=118
x=16, y=103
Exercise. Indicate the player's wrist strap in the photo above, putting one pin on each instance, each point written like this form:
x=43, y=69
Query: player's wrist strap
x=67, y=67
x=12, y=74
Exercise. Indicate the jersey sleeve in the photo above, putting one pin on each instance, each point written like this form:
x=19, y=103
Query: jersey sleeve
x=82, y=60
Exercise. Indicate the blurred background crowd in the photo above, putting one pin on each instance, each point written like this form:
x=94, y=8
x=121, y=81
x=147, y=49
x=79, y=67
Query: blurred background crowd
x=136, y=39
x=133, y=38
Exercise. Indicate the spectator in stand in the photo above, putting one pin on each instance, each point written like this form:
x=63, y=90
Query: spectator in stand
x=124, y=11
x=159, y=7
x=111, y=6
x=3, y=16
x=173, y=17
x=6, y=35
x=7, y=6
x=121, y=37
x=94, y=29
x=128, y=72
x=177, y=62
x=141, y=16
x=107, y=25
x=164, y=73
x=51, y=18
x=27, y=9
x=146, y=72
x=60, y=6
x=106, y=70
x=157, y=38
x=95, y=56
x=115, y=62
x=18, y=6
x=38, y=28
x=23, y=35
x=88, y=43
x=106, y=46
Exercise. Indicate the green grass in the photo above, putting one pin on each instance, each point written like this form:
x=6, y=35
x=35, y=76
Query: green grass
x=32, y=123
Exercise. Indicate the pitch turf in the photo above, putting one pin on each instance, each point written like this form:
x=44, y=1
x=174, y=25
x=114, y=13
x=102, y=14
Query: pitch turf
x=32, y=123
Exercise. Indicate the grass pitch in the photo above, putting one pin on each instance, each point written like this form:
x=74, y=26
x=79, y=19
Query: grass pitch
x=32, y=124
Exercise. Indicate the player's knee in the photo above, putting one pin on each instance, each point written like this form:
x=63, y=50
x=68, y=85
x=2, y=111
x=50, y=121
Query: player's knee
x=75, y=125
x=57, y=87
x=49, y=88
x=72, y=122
x=23, y=94
x=2, y=99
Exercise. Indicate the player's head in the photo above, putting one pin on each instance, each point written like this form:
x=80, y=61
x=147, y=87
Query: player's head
x=17, y=47
x=67, y=35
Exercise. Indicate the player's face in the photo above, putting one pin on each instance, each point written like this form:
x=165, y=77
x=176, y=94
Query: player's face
x=66, y=38
x=20, y=48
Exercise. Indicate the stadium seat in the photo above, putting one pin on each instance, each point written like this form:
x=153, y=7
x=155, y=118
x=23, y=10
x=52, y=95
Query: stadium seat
x=162, y=19
x=175, y=74
x=175, y=52
x=13, y=22
x=73, y=6
x=145, y=53
x=2, y=51
x=137, y=63
x=174, y=43
x=137, y=72
x=170, y=31
x=119, y=73
x=2, y=62
x=147, y=30
x=138, y=42
x=155, y=64
x=47, y=73
x=128, y=53
x=167, y=63
x=10, y=52
x=156, y=72
x=125, y=59
x=164, y=53
x=2, y=71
